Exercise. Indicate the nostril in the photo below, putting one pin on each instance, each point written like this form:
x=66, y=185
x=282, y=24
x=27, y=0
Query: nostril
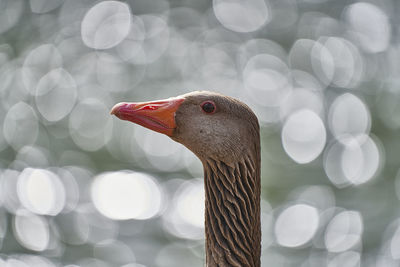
x=149, y=107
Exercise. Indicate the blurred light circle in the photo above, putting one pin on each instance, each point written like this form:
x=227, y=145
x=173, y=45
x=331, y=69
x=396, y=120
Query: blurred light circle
x=3, y=142
x=85, y=177
x=113, y=251
x=55, y=94
x=264, y=83
x=312, y=57
x=321, y=197
x=126, y=195
x=20, y=127
x=192, y=163
x=36, y=261
x=218, y=35
x=328, y=26
x=266, y=80
x=302, y=98
x=8, y=186
x=303, y=136
x=395, y=244
x=348, y=115
x=255, y=47
x=33, y=156
x=15, y=263
x=44, y=6
x=70, y=184
x=90, y=124
x=348, y=62
x=101, y=228
x=366, y=156
x=162, y=152
x=346, y=259
x=69, y=43
x=333, y=165
x=382, y=260
x=296, y=225
x=353, y=161
x=89, y=226
x=122, y=144
x=41, y=191
x=114, y=74
x=106, y=24
x=186, y=215
x=369, y=26
x=322, y=62
x=12, y=89
x=10, y=13
x=38, y=62
x=32, y=231
x=190, y=204
x=149, y=47
x=95, y=90
x=302, y=79
x=267, y=224
x=74, y=157
x=313, y=24
x=218, y=70
x=284, y=14
x=46, y=26
x=343, y=231
x=3, y=224
x=157, y=7
x=91, y=262
x=6, y=54
x=73, y=227
x=133, y=265
x=176, y=254
x=241, y=16
x=131, y=48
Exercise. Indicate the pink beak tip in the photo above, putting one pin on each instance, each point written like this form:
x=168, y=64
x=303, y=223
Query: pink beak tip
x=116, y=108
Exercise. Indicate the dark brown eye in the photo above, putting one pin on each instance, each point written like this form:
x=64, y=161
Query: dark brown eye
x=208, y=107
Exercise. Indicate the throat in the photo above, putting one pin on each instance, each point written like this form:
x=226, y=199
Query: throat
x=232, y=213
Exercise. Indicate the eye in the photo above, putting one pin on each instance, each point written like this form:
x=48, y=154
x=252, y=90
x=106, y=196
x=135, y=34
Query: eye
x=208, y=107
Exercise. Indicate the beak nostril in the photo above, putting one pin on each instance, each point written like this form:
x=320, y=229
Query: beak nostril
x=149, y=107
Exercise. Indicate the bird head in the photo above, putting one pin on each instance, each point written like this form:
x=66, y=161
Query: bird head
x=209, y=124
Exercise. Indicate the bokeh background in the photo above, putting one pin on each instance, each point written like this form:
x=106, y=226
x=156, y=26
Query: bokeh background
x=80, y=188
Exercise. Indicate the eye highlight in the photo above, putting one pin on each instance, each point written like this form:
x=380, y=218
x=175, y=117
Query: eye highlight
x=208, y=107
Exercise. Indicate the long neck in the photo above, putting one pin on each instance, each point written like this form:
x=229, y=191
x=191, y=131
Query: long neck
x=232, y=214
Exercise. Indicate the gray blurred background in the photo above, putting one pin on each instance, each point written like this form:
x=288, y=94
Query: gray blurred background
x=80, y=188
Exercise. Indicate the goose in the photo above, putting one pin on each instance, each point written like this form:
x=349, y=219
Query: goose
x=224, y=134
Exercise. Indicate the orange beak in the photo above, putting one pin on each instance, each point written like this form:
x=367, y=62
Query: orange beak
x=158, y=115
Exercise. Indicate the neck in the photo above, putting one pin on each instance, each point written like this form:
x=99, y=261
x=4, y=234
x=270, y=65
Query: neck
x=232, y=212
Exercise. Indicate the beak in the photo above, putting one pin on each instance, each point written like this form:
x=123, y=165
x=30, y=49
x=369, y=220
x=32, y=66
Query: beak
x=158, y=115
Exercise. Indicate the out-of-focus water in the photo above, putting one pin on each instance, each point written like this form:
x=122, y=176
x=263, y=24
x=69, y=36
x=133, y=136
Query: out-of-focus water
x=80, y=188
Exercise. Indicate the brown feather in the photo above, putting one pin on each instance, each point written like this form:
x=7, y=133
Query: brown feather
x=233, y=233
x=227, y=141
x=228, y=144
